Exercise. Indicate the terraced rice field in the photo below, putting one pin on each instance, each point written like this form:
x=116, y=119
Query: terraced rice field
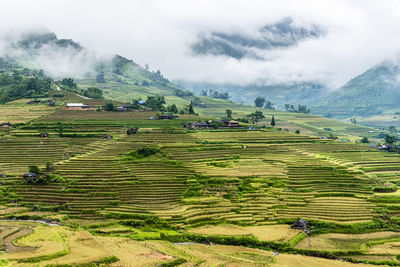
x=19, y=111
x=237, y=182
x=310, y=185
x=281, y=233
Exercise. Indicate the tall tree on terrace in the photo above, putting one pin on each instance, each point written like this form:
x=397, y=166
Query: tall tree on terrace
x=190, y=108
x=273, y=121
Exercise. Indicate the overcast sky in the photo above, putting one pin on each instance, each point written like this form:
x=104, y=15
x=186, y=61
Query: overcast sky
x=159, y=32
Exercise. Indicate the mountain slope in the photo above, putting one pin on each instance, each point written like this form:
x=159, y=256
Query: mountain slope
x=119, y=77
x=376, y=91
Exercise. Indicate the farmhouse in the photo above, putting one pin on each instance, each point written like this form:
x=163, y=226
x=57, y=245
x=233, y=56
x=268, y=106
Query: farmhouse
x=127, y=106
x=231, y=124
x=300, y=224
x=78, y=106
x=197, y=125
x=107, y=136
x=30, y=176
x=166, y=117
x=44, y=135
x=51, y=102
x=132, y=130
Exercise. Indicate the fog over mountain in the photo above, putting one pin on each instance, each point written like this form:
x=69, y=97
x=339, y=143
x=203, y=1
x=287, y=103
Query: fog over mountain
x=282, y=34
x=42, y=49
x=235, y=42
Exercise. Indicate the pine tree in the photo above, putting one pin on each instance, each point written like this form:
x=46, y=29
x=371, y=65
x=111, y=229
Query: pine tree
x=273, y=121
x=191, y=109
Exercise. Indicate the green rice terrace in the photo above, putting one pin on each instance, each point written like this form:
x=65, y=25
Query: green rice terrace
x=169, y=196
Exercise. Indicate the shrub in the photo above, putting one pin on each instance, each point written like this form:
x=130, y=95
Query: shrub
x=386, y=188
x=143, y=152
x=34, y=169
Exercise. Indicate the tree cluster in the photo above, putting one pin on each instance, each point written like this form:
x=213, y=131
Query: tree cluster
x=15, y=86
x=262, y=102
x=156, y=103
x=69, y=82
x=215, y=94
x=93, y=92
x=299, y=109
x=183, y=93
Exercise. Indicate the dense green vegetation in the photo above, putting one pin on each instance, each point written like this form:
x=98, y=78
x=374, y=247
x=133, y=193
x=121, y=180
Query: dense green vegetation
x=18, y=84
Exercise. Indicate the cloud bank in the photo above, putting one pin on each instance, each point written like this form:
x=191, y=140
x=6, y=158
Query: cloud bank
x=359, y=34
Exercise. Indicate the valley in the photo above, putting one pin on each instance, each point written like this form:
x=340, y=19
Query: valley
x=205, y=197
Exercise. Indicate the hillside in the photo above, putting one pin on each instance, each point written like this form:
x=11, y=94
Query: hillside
x=119, y=77
x=89, y=192
x=222, y=186
x=375, y=92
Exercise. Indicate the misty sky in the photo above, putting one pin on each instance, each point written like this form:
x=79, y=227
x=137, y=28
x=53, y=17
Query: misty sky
x=359, y=35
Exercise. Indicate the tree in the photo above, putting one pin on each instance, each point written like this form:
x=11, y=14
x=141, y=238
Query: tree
x=354, y=121
x=302, y=109
x=364, y=140
x=93, y=92
x=273, y=121
x=269, y=105
x=216, y=94
x=110, y=106
x=390, y=139
x=204, y=93
x=297, y=131
x=259, y=101
x=173, y=109
x=190, y=108
x=392, y=129
x=69, y=82
x=145, y=83
x=256, y=116
x=228, y=114
x=156, y=102
x=34, y=169
x=49, y=166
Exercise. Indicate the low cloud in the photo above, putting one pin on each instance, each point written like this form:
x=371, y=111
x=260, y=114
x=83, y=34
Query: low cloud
x=360, y=34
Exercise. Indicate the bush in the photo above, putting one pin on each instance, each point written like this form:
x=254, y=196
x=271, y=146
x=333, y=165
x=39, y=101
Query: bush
x=143, y=152
x=110, y=106
x=386, y=188
x=34, y=169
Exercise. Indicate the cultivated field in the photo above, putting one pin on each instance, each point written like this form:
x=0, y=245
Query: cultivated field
x=194, y=197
